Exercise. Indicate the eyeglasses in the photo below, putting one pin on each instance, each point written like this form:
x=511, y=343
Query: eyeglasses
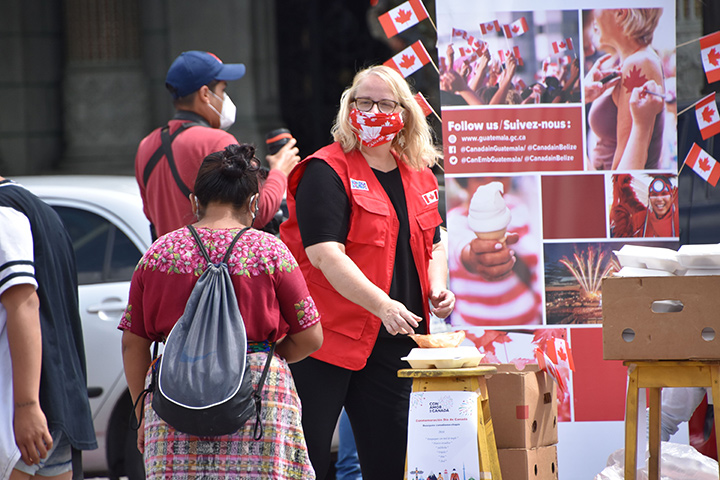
x=365, y=104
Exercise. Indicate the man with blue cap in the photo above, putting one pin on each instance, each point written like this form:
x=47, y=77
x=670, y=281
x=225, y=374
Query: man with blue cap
x=168, y=159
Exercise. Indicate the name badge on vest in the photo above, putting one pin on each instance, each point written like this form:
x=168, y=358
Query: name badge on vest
x=360, y=185
x=430, y=197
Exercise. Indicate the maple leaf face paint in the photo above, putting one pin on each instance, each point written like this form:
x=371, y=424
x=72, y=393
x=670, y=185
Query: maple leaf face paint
x=375, y=128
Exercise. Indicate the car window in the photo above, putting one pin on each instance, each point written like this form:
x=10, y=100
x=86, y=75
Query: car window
x=103, y=252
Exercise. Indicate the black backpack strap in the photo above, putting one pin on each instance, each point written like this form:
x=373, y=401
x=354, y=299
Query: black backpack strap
x=196, y=236
x=257, y=394
x=232, y=244
x=160, y=152
x=134, y=421
x=199, y=243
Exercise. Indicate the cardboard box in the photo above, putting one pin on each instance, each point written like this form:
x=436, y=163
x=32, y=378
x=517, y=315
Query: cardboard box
x=523, y=407
x=529, y=464
x=661, y=318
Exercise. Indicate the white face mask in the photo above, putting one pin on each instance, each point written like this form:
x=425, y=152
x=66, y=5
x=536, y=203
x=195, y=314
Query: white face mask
x=227, y=115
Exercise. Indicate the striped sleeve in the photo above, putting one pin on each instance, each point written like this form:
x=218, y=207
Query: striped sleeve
x=16, y=250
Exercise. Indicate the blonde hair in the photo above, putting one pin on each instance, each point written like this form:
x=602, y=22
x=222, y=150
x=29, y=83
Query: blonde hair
x=640, y=23
x=413, y=144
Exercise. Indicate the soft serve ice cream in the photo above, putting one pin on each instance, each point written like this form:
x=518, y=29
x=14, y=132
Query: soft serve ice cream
x=488, y=215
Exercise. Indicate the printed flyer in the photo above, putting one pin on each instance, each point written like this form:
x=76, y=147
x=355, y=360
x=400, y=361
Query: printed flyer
x=442, y=436
x=560, y=147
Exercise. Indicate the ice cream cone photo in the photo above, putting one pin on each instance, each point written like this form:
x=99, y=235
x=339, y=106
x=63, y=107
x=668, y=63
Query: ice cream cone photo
x=495, y=250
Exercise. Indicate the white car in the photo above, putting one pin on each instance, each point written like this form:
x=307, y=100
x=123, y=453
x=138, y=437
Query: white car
x=109, y=231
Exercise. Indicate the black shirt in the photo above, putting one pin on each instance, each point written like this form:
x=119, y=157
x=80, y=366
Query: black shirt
x=323, y=213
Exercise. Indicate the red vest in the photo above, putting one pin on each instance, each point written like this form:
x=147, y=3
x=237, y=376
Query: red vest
x=349, y=330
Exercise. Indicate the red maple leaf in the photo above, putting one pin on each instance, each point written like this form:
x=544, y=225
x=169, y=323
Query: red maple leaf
x=713, y=57
x=407, y=61
x=704, y=164
x=707, y=114
x=561, y=44
x=490, y=27
x=403, y=16
x=515, y=29
x=487, y=341
x=634, y=79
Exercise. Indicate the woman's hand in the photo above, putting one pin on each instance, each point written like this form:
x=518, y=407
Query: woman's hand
x=141, y=436
x=601, y=69
x=645, y=103
x=397, y=318
x=443, y=302
x=31, y=433
x=491, y=259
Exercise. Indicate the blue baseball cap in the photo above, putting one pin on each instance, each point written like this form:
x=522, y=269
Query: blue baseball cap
x=193, y=69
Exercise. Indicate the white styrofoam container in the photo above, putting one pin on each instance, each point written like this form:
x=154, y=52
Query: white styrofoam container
x=655, y=258
x=456, y=357
x=700, y=256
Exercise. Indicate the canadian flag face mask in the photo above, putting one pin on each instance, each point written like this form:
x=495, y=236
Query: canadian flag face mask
x=373, y=129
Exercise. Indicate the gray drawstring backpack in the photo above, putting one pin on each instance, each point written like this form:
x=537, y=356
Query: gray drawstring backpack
x=202, y=383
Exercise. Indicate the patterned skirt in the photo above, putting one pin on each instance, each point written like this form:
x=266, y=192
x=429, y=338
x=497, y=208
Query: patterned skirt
x=280, y=454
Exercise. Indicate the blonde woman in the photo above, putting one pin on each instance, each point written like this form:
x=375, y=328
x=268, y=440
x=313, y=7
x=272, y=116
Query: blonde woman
x=627, y=122
x=364, y=227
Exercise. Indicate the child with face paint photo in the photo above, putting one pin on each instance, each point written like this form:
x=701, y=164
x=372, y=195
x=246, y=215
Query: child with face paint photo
x=364, y=226
x=626, y=87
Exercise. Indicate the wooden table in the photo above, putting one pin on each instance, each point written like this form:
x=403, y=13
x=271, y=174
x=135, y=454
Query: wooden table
x=470, y=379
x=654, y=375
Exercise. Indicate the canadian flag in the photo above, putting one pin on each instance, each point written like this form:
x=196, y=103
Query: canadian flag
x=703, y=164
x=503, y=54
x=403, y=17
x=516, y=28
x=708, y=120
x=546, y=364
x=710, y=54
x=490, y=27
x=410, y=60
x=560, y=353
x=563, y=45
x=473, y=43
x=420, y=99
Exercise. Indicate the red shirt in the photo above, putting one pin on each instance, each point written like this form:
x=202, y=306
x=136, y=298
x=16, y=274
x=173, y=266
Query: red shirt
x=271, y=290
x=163, y=203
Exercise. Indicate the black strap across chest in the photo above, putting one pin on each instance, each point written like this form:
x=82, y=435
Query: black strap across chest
x=165, y=150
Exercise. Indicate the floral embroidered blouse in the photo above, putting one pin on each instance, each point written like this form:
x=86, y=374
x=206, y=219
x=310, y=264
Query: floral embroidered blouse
x=271, y=290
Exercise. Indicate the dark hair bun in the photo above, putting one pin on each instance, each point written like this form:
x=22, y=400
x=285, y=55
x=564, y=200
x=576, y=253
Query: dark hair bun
x=238, y=160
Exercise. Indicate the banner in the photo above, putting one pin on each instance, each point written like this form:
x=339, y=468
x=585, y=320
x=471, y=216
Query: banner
x=582, y=143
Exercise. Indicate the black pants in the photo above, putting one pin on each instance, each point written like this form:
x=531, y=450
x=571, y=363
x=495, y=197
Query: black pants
x=375, y=399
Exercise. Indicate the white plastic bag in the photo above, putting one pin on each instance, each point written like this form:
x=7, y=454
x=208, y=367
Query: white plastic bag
x=677, y=462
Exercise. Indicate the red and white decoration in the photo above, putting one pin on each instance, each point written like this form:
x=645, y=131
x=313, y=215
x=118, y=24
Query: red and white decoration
x=516, y=28
x=703, y=164
x=410, y=60
x=562, y=45
x=710, y=54
x=402, y=17
x=708, y=120
x=490, y=27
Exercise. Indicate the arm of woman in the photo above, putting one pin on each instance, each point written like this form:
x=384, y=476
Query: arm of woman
x=136, y=361
x=644, y=107
x=350, y=282
x=294, y=347
x=442, y=299
x=501, y=94
x=452, y=81
x=641, y=67
x=481, y=68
